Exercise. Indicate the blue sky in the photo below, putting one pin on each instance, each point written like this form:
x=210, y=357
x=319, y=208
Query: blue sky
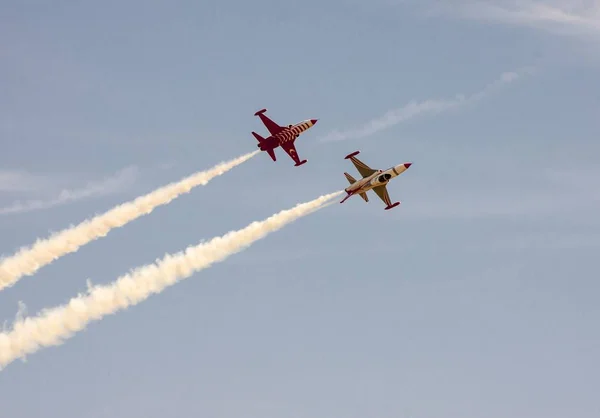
x=474, y=298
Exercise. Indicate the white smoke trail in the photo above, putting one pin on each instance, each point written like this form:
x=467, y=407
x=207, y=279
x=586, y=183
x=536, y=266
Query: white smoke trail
x=52, y=327
x=29, y=260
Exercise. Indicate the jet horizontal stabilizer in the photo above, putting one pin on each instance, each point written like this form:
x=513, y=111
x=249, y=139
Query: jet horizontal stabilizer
x=264, y=146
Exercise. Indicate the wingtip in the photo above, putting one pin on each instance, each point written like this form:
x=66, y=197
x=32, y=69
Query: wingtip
x=351, y=155
x=260, y=112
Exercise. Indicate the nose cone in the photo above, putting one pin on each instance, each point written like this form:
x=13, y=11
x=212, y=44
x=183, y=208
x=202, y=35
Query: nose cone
x=406, y=165
x=314, y=121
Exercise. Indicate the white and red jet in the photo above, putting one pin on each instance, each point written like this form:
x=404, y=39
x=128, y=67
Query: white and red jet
x=281, y=136
x=372, y=179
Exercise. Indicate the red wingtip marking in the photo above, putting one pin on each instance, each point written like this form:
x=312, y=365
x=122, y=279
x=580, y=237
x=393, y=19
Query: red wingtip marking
x=407, y=165
x=314, y=121
x=351, y=155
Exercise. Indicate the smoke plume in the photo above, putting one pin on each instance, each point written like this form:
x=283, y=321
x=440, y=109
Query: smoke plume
x=29, y=260
x=53, y=326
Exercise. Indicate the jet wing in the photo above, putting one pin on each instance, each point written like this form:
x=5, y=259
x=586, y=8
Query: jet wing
x=383, y=194
x=288, y=146
x=362, y=168
x=269, y=124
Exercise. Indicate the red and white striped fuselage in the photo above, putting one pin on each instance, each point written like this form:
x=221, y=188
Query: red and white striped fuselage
x=282, y=136
x=287, y=134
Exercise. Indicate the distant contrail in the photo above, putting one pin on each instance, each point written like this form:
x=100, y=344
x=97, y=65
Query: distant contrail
x=414, y=109
x=52, y=327
x=29, y=260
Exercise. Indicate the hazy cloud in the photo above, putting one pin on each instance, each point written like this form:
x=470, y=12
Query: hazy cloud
x=24, y=182
x=21, y=181
x=566, y=17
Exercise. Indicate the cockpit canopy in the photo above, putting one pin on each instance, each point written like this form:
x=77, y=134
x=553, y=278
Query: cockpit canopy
x=384, y=177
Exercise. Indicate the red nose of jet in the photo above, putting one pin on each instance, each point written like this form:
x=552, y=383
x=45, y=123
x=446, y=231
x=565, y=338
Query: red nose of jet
x=313, y=121
x=407, y=165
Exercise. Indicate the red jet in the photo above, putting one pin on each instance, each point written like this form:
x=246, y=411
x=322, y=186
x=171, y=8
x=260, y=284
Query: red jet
x=281, y=136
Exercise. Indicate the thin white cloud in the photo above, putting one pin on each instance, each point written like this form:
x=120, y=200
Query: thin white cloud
x=27, y=182
x=565, y=17
x=431, y=106
x=14, y=181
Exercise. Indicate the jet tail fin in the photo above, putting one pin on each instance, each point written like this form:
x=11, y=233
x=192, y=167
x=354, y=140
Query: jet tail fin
x=263, y=146
x=350, y=179
x=259, y=138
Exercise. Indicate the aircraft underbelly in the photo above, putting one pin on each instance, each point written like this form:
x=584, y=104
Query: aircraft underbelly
x=358, y=186
x=369, y=186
